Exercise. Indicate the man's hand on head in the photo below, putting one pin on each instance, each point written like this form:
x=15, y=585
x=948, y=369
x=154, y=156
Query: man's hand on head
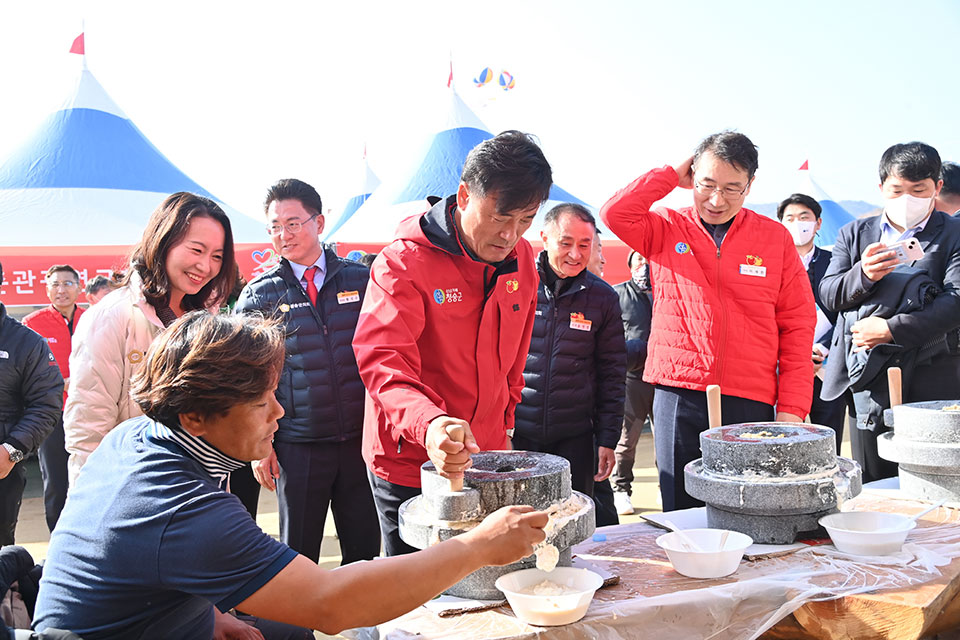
x=685, y=173
x=877, y=261
x=451, y=457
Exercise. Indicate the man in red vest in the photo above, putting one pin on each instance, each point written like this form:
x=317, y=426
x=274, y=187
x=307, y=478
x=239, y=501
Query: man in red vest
x=56, y=323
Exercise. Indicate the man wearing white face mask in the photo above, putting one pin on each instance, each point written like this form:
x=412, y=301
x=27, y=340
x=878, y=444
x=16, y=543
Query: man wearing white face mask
x=800, y=214
x=925, y=337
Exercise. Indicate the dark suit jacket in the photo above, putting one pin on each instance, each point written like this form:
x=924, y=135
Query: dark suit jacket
x=816, y=270
x=844, y=286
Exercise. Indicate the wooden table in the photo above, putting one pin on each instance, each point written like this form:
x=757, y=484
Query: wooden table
x=653, y=601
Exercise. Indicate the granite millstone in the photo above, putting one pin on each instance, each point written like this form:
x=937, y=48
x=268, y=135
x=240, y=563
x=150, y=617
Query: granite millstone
x=772, y=481
x=496, y=479
x=925, y=442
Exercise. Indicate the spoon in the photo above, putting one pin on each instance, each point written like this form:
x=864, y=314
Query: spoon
x=723, y=539
x=686, y=541
x=928, y=510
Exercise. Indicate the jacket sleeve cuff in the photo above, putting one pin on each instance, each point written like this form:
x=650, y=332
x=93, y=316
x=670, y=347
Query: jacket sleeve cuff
x=423, y=424
x=19, y=446
x=797, y=411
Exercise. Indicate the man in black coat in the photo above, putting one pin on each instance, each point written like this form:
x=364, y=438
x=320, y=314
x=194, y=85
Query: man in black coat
x=800, y=214
x=316, y=458
x=31, y=404
x=862, y=257
x=636, y=305
x=576, y=363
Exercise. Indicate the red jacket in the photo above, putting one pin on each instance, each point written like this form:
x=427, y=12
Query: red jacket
x=430, y=341
x=741, y=316
x=51, y=325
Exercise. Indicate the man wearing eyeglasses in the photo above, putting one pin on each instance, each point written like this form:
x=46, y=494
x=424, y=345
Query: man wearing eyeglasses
x=31, y=403
x=316, y=461
x=732, y=306
x=56, y=323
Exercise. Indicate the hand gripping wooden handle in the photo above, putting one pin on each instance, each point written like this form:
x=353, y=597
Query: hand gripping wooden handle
x=895, y=386
x=457, y=434
x=713, y=405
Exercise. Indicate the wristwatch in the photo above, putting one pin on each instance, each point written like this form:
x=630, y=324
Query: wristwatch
x=15, y=454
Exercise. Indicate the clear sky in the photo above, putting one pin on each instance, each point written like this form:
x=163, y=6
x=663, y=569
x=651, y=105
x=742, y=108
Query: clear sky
x=240, y=94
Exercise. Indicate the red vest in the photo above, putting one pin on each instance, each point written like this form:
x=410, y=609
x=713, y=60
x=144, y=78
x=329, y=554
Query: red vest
x=51, y=325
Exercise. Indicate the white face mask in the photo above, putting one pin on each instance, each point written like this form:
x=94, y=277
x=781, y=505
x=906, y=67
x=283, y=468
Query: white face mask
x=801, y=230
x=907, y=210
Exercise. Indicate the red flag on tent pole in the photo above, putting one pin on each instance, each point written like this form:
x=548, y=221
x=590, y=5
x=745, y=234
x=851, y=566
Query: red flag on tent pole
x=804, y=166
x=450, y=77
x=77, y=46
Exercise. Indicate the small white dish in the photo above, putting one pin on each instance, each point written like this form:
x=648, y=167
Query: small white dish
x=868, y=533
x=550, y=610
x=705, y=558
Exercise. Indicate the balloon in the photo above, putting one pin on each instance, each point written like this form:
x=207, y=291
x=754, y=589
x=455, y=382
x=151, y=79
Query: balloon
x=485, y=76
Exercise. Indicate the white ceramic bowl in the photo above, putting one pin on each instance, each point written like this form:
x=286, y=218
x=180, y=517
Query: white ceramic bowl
x=868, y=533
x=711, y=562
x=545, y=610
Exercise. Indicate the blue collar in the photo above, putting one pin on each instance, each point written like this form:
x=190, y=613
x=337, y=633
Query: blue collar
x=216, y=463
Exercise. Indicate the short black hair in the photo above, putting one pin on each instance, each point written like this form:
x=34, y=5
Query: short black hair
x=731, y=147
x=950, y=174
x=293, y=189
x=801, y=199
x=913, y=161
x=574, y=209
x=97, y=284
x=630, y=258
x=510, y=166
x=65, y=268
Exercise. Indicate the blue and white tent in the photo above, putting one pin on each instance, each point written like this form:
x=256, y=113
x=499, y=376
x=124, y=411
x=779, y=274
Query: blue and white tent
x=833, y=215
x=369, y=184
x=437, y=174
x=89, y=177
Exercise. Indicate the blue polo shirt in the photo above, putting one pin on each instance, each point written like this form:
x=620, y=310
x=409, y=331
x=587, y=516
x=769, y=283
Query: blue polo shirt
x=148, y=544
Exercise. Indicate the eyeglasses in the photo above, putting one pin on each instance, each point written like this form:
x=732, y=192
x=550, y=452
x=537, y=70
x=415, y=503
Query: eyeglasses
x=62, y=284
x=726, y=192
x=291, y=227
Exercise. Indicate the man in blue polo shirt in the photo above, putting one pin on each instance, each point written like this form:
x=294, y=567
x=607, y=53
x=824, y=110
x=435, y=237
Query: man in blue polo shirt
x=150, y=546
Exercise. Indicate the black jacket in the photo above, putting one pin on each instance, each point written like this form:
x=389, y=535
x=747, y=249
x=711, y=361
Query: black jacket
x=31, y=387
x=320, y=388
x=845, y=287
x=815, y=271
x=575, y=372
x=636, y=306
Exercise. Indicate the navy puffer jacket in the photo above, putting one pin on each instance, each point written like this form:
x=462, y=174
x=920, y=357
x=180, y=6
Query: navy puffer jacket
x=576, y=367
x=320, y=388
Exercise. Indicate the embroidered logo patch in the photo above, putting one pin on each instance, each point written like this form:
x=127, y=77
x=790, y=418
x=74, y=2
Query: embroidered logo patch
x=512, y=286
x=438, y=296
x=284, y=307
x=682, y=248
x=447, y=295
x=135, y=357
x=754, y=261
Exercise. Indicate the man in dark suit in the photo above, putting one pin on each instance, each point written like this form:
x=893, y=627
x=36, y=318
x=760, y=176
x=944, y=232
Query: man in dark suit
x=948, y=200
x=800, y=214
x=862, y=257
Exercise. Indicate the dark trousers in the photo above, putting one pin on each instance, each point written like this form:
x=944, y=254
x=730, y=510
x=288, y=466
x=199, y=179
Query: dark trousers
x=606, y=510
x=388, y=498
x=829, y=413
x=637, y=407
x=680, y=415
x=579, y=452
x=11, y=495
x=314, y=477
x=244, y=485
x=53, y=469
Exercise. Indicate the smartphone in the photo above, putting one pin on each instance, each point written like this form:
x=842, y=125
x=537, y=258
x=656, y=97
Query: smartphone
x=907, y=250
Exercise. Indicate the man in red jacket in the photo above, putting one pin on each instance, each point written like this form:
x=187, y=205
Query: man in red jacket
x=732, y=306
x=56, y=323
x=445, y=325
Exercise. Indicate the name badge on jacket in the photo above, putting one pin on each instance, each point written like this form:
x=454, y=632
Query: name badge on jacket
x=753, y=270
x=578, y=322
x=345, y=297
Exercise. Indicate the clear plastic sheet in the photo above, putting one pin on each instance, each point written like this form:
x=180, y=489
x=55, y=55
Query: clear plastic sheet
x=653, y=601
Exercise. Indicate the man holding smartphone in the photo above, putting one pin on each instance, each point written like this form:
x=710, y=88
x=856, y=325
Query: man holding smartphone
x=864, y=255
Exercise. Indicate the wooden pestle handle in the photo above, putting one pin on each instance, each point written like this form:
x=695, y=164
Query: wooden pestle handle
x=895, y=386
x=713, y=405
x=456, y=433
